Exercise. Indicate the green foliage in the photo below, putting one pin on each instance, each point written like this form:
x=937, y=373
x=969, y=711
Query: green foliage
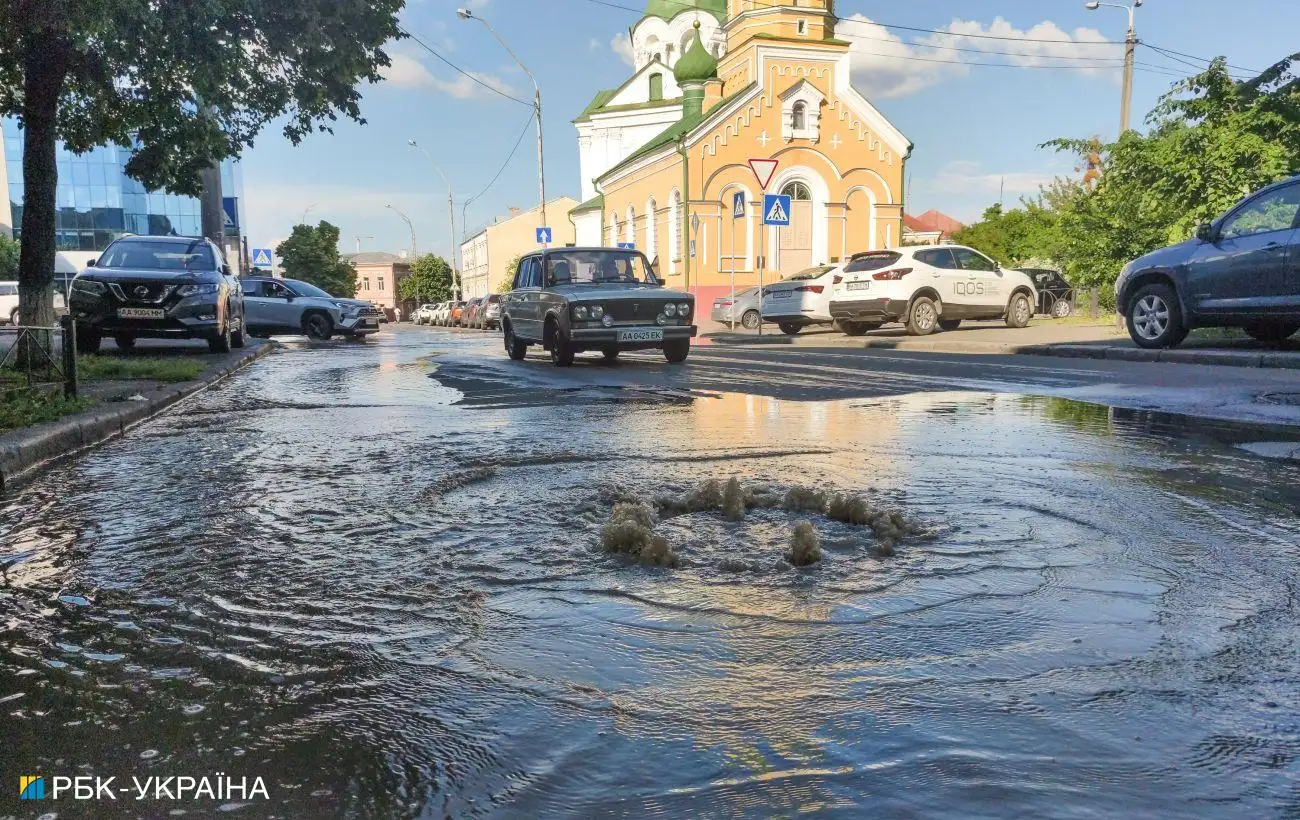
x=312, y=255
x=8, y=258
x=1017, y=236
x=506, y=285
x=430, y=280
x=25, y=407
x=512, y=269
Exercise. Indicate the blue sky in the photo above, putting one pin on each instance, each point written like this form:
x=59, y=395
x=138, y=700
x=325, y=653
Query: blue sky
x=974, y=126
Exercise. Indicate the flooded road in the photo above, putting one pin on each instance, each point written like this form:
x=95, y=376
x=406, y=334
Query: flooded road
x=373, y=575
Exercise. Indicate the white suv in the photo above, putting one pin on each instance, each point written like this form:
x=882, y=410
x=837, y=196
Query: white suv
x=800, y=300
x=928, y=288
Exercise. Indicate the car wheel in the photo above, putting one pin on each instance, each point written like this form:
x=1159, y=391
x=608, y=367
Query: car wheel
x=923, y=317
x=790, y=328
x=221, y=343
x=1271, y=331
x=1063, y=309
x=1020, y=311
x=13, y=317
x=124, y=341
x=677, y=350
x=237, y=337
x=949, y=324
x=751, y=320
x=318, y=327
x=561, y=350
x=610, y=354
x=1154, y=317
x=515, y=349
x=858, y=328
x=88, y=340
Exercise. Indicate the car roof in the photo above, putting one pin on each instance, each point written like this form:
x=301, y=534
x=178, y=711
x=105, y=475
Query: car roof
x=584, y=248
x=176, y=240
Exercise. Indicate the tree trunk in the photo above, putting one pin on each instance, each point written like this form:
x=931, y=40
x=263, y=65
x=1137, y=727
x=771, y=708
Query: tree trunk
x=45, y=66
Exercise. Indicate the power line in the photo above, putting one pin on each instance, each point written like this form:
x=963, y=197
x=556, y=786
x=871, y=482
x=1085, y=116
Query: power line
x=1173, y=55
x=462, y=71
x=527, y=124
x=1170, y=53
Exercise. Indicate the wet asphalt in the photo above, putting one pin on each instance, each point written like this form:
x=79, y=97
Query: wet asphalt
x=372, y=574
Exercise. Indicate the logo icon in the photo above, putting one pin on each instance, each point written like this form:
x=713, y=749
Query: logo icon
x=142, y=292
x=31, y=787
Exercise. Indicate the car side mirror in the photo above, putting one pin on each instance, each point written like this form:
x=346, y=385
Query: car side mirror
x=92, y=263
x=1205, y=232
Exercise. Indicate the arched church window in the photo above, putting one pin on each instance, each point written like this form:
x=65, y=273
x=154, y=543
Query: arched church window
x=798, y=191
x=799, y=116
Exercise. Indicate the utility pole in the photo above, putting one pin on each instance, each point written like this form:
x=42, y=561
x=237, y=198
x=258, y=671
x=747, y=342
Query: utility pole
x=1130, y=49
x=451, y=217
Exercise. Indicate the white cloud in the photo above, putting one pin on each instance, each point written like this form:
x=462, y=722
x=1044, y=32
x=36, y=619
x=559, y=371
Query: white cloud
x=885, y=65
x=622, y=45
x=964, y=177
x=408, y=72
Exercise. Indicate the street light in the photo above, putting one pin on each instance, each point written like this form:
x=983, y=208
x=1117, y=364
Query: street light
x=407, y=220
x=466, y=14
x=306, y=211
x=359, y=238
x=1130, y=46
x=451, y=216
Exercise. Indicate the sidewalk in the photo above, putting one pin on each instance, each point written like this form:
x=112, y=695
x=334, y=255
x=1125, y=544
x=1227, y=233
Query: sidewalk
x=1044, y=337
x=119, y=406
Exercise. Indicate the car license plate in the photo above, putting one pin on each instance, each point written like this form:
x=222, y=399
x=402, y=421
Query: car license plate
x=654, y=335
x=859, y=285
x=780, y=294
x=141, y=313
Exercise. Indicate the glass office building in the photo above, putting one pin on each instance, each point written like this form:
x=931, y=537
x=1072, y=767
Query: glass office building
x=97, y=202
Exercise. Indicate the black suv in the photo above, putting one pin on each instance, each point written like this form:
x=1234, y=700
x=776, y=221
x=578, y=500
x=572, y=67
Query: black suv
x=158, y=287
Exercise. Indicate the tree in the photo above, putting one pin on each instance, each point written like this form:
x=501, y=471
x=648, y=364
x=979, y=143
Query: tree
x=181, y=86
x=1014, y=237
x=512, y=268
x=312, y=255
x=9, y=251
x=430, y=280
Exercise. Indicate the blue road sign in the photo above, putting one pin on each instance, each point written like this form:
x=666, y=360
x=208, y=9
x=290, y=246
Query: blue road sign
x=262, y=257
x=543, y=236
x=627, y=246
x=776, y=210
x=738, y=205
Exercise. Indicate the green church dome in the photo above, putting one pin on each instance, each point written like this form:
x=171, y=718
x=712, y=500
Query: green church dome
x=697, y=64
x=668, y=9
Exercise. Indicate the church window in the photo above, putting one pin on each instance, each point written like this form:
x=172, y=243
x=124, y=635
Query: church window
x=798, y=191
x=799, y=116
x=650, y=239
x=656, y=87
x=803, y=27
x=631, y=225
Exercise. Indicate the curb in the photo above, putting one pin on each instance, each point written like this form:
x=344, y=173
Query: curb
x=24, y=452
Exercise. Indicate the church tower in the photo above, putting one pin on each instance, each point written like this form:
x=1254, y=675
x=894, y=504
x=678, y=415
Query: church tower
x=751, y=23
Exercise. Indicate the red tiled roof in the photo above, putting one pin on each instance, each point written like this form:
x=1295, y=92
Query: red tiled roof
x=933, y=220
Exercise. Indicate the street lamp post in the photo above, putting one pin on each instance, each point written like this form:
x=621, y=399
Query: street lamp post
x=451, y=216
x=411, y=227
x=1130, y=47
x=466, y=14
x=306, y=211
x=359, y=238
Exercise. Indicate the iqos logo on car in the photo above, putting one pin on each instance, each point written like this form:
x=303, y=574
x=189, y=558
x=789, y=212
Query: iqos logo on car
x=969, y=288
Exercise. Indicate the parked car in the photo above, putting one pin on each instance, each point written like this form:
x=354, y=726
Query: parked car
x=489, y=313
x=1055, y=294
x=569, y=300
x=439, y=314
x=1241, y=270
x=455, y=314
x=423, y=315
x=800, y=300
x=470, y=314
x=291, y=307
x=9, y=300
x=158, y=287
x=745, y=310
x=929, y=288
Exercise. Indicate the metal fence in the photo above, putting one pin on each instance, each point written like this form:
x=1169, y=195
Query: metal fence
x=32, y=357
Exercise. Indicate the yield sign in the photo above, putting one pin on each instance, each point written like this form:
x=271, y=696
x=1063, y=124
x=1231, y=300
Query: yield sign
x=764, y=170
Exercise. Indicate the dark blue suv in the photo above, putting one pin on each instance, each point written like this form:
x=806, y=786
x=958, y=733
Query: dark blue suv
x=1242, y=270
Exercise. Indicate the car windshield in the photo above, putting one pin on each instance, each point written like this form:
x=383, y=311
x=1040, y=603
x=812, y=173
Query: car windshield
x=305, y=289
x=145, y=255
x=599, y=267
x=811, y=273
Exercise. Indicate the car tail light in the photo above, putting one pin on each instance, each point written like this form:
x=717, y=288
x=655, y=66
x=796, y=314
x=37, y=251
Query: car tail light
x=891, y=275
x=722, y=303
x=838, y=279
x=811, y=288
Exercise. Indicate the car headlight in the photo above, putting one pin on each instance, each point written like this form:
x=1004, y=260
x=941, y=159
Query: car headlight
x=580, y=313
x=661, y=319
x=684, y=309
x=607, y=320
x=670, y=309
x=195, y=290
x=89, y=286
x=596, y=312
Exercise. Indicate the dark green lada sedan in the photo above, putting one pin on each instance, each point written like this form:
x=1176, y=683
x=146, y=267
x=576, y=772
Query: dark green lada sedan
x=570, y=300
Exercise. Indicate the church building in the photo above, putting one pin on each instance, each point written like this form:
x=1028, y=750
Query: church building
x=716, y=84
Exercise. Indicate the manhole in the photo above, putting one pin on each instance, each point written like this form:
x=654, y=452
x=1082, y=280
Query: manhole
x=1279, y=398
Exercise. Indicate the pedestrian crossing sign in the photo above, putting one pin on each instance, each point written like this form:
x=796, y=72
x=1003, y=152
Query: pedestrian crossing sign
x=261, y=257
x=776, y=210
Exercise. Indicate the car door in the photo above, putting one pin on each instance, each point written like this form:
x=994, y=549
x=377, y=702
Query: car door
x=256, y=312
x=1247, y=265
x=982, y=283
x=525, y=304
x=944, y=275
x=280, y=307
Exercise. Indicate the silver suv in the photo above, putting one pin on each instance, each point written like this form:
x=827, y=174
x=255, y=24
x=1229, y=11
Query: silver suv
x=291, y=307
